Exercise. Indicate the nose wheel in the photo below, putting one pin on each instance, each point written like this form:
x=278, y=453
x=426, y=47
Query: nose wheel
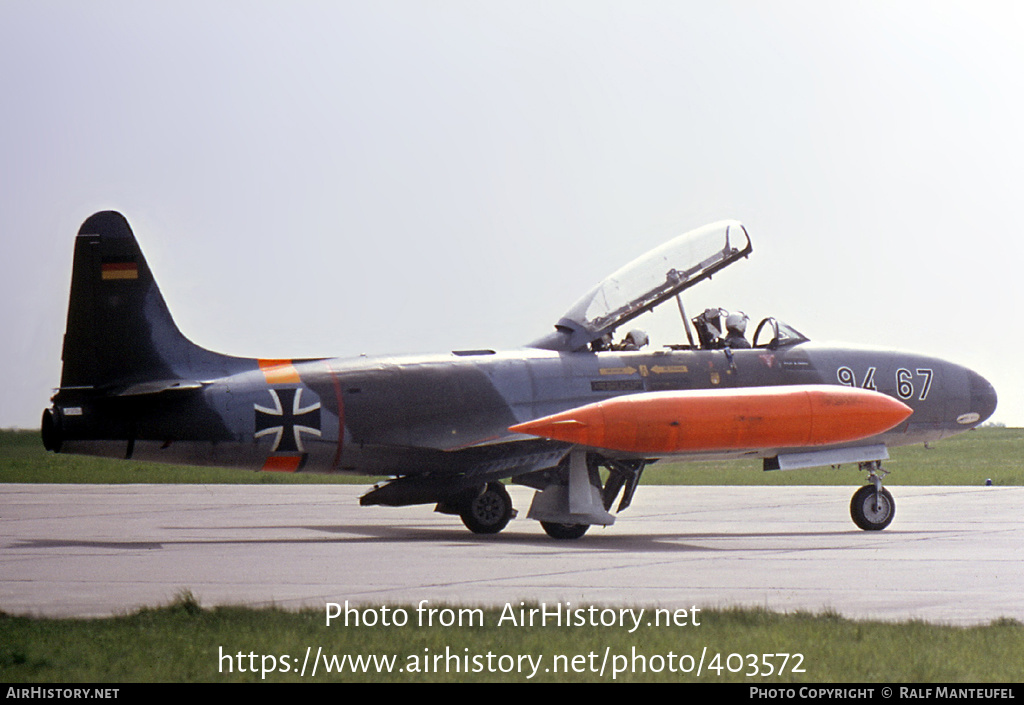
x=872, y=507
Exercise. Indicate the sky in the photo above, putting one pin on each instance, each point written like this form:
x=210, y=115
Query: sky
x=338, y=178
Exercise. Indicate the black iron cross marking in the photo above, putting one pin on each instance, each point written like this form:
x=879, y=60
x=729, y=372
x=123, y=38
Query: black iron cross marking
x=287, y=420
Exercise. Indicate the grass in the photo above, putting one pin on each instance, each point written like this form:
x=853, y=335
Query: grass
x=967, y=459
x=23, y=459
x=185, y=643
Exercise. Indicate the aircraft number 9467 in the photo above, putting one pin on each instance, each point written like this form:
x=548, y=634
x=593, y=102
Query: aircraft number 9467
x=904, y=380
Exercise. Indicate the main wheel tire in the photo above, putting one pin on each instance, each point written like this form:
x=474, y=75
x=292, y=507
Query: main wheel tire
x=564, y=531
x=488, y=512
x=869, y=515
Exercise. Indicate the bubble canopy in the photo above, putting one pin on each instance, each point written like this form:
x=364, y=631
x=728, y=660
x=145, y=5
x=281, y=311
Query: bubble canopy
x=648, y=281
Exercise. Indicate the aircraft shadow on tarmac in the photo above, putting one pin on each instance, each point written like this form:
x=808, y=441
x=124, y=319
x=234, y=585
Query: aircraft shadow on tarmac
x=628, y=543
x=414, y=535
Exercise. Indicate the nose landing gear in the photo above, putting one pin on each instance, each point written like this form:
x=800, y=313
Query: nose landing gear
x=872, y=507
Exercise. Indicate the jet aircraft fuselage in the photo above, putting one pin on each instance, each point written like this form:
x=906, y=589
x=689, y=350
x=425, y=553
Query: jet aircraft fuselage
x=373, y=415
x=442, y=425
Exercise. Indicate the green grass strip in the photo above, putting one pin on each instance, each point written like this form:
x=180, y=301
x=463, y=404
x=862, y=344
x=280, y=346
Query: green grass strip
x=186, y=643
x=967, y=459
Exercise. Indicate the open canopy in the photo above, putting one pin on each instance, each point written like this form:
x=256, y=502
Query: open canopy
x=648, y=281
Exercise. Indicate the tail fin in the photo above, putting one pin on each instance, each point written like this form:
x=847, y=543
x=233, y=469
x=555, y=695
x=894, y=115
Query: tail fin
x=120, y=333
x=122, y=352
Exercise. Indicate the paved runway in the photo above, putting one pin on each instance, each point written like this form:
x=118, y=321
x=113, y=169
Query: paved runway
x=952, y=554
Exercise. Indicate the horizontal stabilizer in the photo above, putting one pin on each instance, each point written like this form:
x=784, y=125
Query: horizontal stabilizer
x=159, y=387
x=655, y=423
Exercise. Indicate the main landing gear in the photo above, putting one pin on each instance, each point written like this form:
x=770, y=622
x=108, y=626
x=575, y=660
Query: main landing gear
x=570, y=498
x=564, y=531
x=872, y=507
x=488, y=511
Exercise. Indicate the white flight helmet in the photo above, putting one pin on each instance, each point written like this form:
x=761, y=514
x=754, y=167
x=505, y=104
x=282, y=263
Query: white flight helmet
x=638, y=337
x=736, y=322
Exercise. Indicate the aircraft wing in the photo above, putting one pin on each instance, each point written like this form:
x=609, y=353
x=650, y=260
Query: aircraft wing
x=457, y=471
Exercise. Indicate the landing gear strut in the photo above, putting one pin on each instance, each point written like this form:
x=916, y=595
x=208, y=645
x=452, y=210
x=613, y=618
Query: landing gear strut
x=572, y=496
x=872, y=507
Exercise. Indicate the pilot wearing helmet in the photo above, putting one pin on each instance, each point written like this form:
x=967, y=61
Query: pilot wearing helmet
x=634, y=340
x=735, y=328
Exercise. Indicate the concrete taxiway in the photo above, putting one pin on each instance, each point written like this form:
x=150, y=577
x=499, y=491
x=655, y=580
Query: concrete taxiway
x=952, y=555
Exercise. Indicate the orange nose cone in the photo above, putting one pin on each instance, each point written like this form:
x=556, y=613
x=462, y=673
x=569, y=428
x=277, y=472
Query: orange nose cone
x=724, y=419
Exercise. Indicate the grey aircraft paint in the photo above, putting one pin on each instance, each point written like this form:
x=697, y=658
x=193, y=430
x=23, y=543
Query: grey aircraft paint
x=132, y=386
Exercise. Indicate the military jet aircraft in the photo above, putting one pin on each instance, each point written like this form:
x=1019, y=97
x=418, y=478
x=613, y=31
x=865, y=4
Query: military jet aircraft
x=574, y=415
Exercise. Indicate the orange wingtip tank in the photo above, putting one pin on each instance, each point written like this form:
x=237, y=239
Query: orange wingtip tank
x=724, y=419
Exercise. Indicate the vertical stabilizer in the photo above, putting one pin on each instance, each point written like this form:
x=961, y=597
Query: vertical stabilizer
x=119, y=330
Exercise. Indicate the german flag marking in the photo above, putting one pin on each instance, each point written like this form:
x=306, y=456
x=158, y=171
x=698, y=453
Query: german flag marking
x=279, y=371
x=119, y=270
